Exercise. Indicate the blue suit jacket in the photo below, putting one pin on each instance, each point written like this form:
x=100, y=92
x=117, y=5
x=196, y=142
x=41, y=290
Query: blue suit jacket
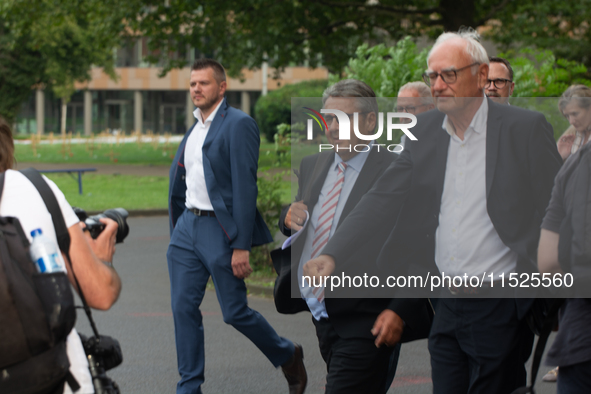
x=230, y=161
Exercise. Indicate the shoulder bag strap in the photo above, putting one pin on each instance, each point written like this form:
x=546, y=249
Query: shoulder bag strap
x=61, y=231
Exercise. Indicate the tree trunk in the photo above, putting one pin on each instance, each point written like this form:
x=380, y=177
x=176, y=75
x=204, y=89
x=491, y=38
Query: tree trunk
x=457, y=13
x=64, y=116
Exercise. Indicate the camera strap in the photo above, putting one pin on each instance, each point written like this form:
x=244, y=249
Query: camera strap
x=61, y=232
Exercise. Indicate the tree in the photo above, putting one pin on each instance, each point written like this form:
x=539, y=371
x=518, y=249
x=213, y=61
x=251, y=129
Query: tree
x=245, y=33
x=384, y=68
x=275, y=108
x=54, y=43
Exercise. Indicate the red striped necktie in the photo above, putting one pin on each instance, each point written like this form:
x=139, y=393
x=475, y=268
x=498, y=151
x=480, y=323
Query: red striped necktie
x=325, y=221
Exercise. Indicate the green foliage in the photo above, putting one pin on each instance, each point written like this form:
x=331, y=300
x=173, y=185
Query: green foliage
x=283, y=144
x=275, y=108
x=269, y=204
x=244, y=33
x=386, y=69
x=541, y=74
x=54, y=43
x=561, y=26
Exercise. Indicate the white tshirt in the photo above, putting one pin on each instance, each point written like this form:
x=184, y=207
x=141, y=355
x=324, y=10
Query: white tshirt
x=20, y=199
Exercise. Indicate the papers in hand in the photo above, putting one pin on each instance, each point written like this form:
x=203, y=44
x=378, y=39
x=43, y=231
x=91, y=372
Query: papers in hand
x=295, y=236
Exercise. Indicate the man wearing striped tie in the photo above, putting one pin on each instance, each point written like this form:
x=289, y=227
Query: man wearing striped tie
x=356, y=336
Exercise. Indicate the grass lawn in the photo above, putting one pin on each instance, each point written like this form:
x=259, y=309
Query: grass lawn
x=130, y=153
x=127, y=191
x=124, y=153
x=111, y=191
x=130, y=192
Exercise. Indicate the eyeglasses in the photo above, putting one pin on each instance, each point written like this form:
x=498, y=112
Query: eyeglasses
x=409, y=108
x=447, y=76
x=499, y=83
x=330, y=117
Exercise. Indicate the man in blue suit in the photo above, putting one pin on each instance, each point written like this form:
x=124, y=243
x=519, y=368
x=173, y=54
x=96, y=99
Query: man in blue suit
x=213, y=224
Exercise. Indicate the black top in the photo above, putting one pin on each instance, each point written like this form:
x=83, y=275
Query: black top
x=573, y=342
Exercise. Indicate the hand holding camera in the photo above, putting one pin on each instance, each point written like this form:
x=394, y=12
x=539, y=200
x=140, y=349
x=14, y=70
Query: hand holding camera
x=104, y=231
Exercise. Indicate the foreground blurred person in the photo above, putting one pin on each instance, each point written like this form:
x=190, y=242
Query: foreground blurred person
x=466, y=198
x=213, y=223
x=91, y=258
x=571, y=349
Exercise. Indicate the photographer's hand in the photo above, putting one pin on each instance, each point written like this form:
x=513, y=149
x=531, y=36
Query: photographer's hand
x=104, y=245
x=99, y=281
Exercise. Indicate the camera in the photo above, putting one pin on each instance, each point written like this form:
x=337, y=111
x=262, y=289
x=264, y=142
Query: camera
x=103, y=353
x=95, y=227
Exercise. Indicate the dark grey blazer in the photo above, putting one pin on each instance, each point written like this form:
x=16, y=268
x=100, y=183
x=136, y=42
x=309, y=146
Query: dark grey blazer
x=351, y=317
x=521, y=163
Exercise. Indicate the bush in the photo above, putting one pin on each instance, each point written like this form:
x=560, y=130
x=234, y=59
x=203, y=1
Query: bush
x=269, y=204
x=275, y=108
x=384, y=68
x=540, y=74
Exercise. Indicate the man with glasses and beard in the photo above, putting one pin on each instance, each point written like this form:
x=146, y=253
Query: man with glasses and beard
x=500, y=85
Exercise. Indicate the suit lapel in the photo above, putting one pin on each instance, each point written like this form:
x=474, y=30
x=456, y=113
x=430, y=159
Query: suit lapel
x=321, y=168
x=364, y=182
x=493, y=132
x=440, y=164
x=216, y=124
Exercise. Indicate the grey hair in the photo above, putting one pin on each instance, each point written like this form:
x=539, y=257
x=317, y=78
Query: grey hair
x=421, y=88
x=474, y=48
x=354, y=88
x=580, y=94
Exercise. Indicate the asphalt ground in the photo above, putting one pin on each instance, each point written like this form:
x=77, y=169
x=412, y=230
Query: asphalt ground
x=142, y=321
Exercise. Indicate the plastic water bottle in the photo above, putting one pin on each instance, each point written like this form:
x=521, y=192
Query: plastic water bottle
x=46, y=254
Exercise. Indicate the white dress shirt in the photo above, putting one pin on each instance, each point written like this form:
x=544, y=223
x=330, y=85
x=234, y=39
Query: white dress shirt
x=466, y=240
x=354, y=166
x=196, y=195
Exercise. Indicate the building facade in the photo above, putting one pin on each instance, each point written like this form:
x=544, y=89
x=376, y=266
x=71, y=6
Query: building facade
x=141, y=100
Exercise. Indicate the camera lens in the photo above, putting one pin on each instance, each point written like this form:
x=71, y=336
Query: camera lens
x=120, y=216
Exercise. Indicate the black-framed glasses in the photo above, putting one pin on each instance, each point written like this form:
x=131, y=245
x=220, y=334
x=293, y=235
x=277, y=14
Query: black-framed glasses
x=330, y=117
x=409, y=108
x=499, y=83
x=448, y=76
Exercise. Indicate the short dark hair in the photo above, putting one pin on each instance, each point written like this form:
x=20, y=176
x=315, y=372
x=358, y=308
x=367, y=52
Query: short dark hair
x=6, y=146
x=218, y=70
x=496, y=59
x=366, y=97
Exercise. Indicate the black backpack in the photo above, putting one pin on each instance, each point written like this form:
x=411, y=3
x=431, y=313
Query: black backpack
x=37, y=313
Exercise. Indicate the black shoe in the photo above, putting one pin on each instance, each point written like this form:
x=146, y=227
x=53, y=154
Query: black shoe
x=295, y=372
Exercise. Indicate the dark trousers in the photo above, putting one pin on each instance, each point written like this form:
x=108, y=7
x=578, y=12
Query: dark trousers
x=199, y=249
x=575, y=379
x=478, y=346
x=354, y=365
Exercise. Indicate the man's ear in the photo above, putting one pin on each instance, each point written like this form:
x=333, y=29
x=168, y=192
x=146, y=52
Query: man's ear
x=370, y=122
x=223, y=87
x=482, y=75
